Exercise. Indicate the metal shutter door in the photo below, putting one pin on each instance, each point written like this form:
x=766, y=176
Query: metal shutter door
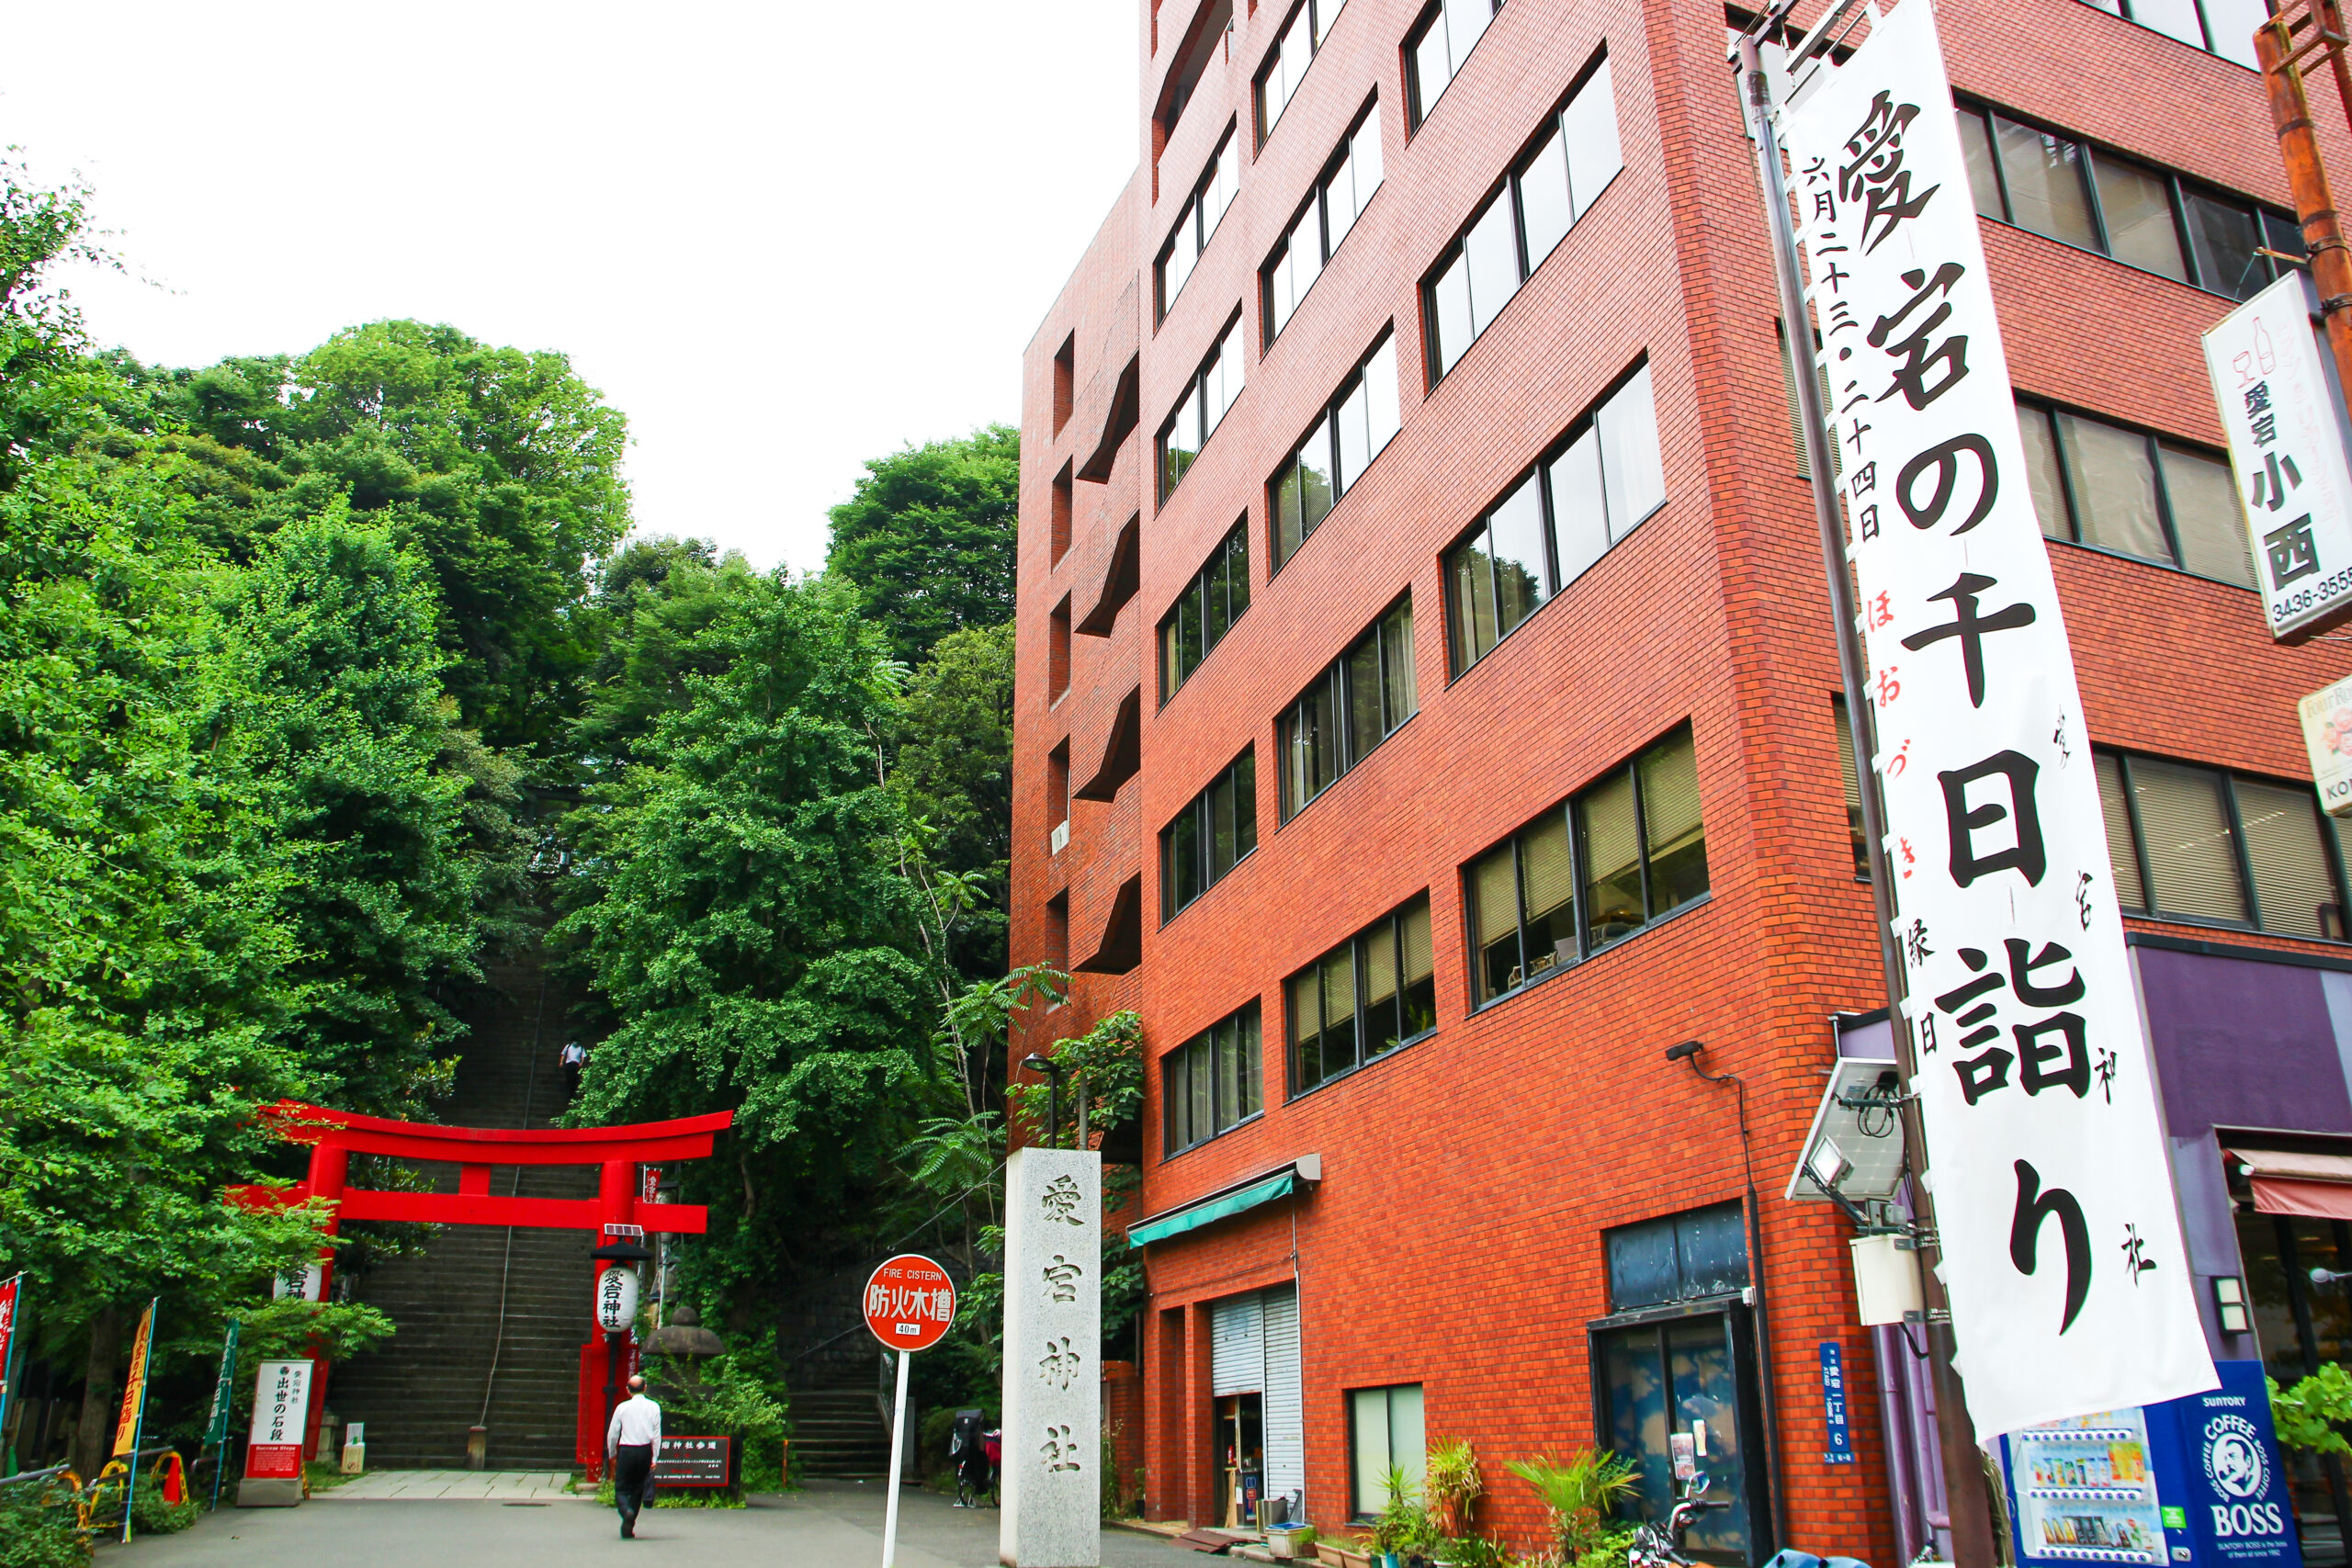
x=1237, y=1345
x=1285, y=1409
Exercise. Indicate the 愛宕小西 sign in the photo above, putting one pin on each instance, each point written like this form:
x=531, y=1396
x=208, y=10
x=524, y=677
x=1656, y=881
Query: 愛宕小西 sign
x=2069, y=1283
x=2283, y=418
x=2327, y=739
x=910, y=1302
x=694, y=1461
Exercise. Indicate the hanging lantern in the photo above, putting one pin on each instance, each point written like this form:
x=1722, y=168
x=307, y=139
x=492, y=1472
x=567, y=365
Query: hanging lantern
x=617, y=1299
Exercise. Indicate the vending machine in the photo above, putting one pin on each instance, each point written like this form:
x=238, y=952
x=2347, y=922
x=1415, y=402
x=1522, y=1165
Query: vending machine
x=2195, y=1482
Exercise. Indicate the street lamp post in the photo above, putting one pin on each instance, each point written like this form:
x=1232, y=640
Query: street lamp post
x=1053, y=1071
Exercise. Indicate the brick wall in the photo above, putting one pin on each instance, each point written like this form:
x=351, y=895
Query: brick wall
x=1456, y=1239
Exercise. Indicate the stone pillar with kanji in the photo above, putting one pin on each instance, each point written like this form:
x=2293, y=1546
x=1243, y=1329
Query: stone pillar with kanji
x=1053, y=1375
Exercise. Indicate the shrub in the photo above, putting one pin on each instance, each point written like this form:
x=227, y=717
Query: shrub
x=1580, y=1495
x=149, y=1515
x=2307, y=1414
x=35, y=1537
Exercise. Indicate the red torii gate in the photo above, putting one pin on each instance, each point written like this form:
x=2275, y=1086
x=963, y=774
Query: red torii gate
x=335, y=1136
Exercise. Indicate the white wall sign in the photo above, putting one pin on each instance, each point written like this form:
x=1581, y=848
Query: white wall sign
x=2069, y=1282
x=1053, y=1373
x=2280, y=409
x=2327, y=736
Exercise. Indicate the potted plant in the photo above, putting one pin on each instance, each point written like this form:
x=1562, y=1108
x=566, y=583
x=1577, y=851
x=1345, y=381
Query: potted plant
x=1581, y=1495
x=1453, y=1486
x=1404, y=1525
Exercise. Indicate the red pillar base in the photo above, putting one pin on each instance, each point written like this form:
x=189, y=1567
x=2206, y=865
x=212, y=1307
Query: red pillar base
x=589, y=1447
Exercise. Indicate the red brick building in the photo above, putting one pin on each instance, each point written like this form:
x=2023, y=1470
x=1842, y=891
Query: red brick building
x=1426, y=716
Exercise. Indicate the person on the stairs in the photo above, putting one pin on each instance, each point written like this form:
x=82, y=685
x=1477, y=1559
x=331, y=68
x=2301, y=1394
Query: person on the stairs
x=574, y=1058
x=630, y=1443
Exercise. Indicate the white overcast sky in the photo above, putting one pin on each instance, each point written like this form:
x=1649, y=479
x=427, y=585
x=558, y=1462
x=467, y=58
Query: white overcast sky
x=781, y=237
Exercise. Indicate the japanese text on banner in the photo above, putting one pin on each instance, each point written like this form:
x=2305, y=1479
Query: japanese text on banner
x=2069, y=1283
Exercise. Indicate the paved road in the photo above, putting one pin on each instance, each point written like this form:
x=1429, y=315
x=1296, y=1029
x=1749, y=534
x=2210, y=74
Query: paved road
x=832, y=1523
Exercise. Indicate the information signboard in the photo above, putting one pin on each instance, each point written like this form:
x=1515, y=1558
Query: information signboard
x=695, y=1461
x=281, y=1409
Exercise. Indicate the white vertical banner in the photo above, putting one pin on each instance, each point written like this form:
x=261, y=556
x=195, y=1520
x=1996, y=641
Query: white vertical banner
x=2062, y=1254
x=1048, y=1482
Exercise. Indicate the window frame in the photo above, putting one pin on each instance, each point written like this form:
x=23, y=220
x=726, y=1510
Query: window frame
x=1506, y=188
x=1198, y=588
x=1334, y=681
x=1389, y=1412
x=1393, y=921
x=2121, y=11
x=1204, y=1041
x=1326, y=420
x=1202, y=804
x=2154, y=441
x=1417, y=109
x=1195, y=397
x=2331, y=847
x=1190, y=214
x=1579, y=873
x=1319, y=202
x=2178, y=188
x=1539, y=473
x=1318, y=30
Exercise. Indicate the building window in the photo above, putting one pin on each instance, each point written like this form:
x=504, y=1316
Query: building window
x=1211, y=1083
x=1198, y=221
x=1065, y=380
x=1385, y=1433
x=1209, y=606
x=1292, y=53
x=1214, y=385
x=1629, y=850
x=1574, y=157
x=2195, y=843
x=2145, y=217
x=1057, y=652
x=1438, y=45
x=1332, y=208
x=1058, y=932
x=2137, y=494
x=1209, y=836
x=1365, y=998
x=2218, y=26
x=1852, y=780
x=1591, y=490
x=1351, y=708
x=1355, y=427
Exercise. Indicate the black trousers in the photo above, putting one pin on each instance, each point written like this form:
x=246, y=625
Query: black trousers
x=632, y=1478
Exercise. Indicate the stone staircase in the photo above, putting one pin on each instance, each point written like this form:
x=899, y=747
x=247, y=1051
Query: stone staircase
x=840, y=1432
x=422, y=1388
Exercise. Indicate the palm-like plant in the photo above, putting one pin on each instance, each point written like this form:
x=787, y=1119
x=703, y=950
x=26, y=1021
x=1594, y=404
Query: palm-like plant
x=1579, y=1494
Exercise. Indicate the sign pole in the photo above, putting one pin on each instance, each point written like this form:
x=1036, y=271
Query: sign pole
x=1968, y=1503
x=224, y=1402
x=909, y=1303
x=135, y=1410
x=12, y=1307
x=898, y=1456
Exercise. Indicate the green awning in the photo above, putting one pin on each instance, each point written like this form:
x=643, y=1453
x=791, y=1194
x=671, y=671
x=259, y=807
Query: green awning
x=1214, y=1209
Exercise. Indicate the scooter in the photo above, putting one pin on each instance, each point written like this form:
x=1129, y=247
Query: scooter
x=1653, y=1548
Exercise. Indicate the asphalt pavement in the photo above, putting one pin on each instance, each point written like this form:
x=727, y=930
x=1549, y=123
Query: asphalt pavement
x=831, y=1523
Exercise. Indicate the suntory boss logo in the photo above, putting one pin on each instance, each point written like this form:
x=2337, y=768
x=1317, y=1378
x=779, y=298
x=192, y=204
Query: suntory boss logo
x=2234, y=1465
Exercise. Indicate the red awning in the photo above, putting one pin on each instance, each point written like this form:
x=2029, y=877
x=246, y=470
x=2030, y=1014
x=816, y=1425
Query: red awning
x=2292, y=1182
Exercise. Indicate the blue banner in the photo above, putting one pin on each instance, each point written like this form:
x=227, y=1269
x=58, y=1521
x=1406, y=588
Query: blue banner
x=1833, y=1404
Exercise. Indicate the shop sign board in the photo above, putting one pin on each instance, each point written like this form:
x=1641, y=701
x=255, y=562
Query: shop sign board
x=2069, y=1282
x=2285, y=424
x=2327, y=739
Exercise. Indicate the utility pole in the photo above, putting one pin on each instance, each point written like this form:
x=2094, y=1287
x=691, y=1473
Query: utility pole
x=1967, y=1499
x=2281, y=55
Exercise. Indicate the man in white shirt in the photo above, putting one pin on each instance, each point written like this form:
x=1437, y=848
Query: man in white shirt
x=630, y=1443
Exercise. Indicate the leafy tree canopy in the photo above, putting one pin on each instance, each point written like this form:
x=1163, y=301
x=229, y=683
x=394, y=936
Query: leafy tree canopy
x=954, y=773
x=929, y=538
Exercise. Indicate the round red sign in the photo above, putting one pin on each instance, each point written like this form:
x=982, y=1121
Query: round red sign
x=910, y=1301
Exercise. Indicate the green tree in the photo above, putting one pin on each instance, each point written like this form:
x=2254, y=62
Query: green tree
x=331, y=700
x=954, y=774
x=740, y=915
x=929, y=538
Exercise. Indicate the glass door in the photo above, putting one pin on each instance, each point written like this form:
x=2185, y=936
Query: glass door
x=1688, y=1376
